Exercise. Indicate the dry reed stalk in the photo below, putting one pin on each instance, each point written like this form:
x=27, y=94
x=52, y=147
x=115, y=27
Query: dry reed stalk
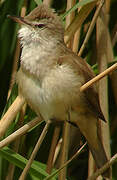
x=103, y=84
x=57, y=129
x=103, y=96
x=114, y=35
x=21, y=131
x=36, y=148
x=107, y=3
x=103, y=90
x=78, y=21
x=76, y=41
x=69, y=19
x=102, y=169
x=91, y=27
x=17, y=54
x=64, y=150
x=10, y=114
x=57, y=150
x=11, y=169
x=76, y=38
x=15, y=146
x=14, y=68
x=110, y=58
x=65, y=144
x=73, y=44
x=98, y=77
x=66, y=163
x=48, y=2
x=52, y=149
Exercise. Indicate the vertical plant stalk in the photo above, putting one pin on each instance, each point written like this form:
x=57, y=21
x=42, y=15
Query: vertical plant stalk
x=14, y=68
x=66, y=129
x=53, y=148
x=66, y=163
x=17, y=54
x=108, y=2
x=102, y=59
x=69, y=19
x=91, y=27
x=114, y=35
x=103, y=84
x=110, y=58
x=37, y=146
x=78, y=20
x=48, y=2
x=73, y=144
x=64, y=150
x=15, y=146
x=91, y=162
x=76, y=39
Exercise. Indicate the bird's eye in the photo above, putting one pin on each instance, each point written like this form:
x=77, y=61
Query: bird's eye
x=39, y=25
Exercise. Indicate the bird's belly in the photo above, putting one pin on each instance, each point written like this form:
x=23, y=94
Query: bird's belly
x=48, y=99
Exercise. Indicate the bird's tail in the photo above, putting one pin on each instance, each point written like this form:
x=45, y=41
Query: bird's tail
x=90, y=129
x=100, y=158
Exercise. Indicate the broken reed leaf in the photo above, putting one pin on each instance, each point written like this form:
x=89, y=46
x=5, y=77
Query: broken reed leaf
x=77, y=5
x=78, y=20
x=38, y=1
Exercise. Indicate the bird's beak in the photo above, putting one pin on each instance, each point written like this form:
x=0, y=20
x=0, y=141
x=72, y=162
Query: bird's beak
x=19, y=20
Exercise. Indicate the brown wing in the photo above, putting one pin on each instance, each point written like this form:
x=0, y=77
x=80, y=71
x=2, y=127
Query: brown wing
x=83, y=68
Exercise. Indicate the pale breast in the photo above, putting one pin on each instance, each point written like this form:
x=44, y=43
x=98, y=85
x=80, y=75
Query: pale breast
x=55, y=95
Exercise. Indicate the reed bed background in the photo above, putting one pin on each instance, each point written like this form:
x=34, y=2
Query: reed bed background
x=91, y=32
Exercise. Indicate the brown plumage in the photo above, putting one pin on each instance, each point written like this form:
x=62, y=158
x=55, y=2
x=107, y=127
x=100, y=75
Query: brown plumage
x=51, y=75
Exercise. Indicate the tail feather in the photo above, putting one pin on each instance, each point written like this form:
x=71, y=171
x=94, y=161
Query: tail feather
x=100, y=158
x=89, y=128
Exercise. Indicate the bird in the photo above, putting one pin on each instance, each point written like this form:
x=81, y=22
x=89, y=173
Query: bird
x=50, y=77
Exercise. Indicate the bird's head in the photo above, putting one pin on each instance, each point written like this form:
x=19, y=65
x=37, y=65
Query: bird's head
x=42, y=24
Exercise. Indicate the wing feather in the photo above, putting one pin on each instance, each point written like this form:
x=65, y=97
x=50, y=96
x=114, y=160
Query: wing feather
x=82, y=67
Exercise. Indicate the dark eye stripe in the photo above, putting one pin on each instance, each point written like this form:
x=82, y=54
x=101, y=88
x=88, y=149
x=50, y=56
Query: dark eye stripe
x=39, y=25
